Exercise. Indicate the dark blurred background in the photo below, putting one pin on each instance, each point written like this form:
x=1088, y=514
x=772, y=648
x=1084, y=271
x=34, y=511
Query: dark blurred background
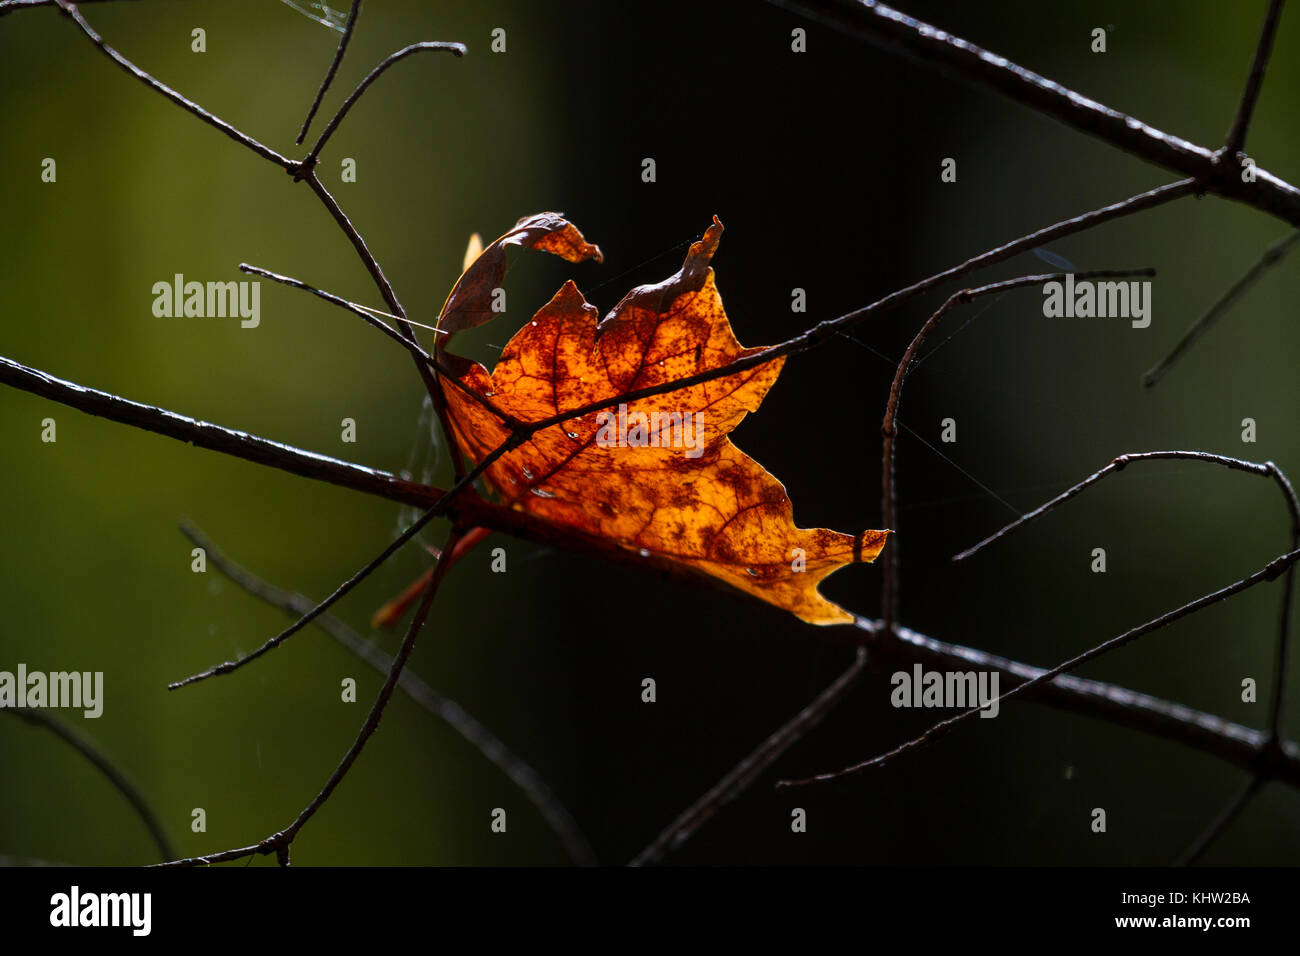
x=824, y=166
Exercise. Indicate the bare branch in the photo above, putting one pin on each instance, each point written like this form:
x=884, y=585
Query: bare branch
x=1282, y=656
x=228, y=441
x=83, y=745
x=279, y=843
x=304, y=170
x=738, y=779
x=1246, y=109
x=1210, y=734
x=333, y=69
x=1240, y=745
x=889, y=429
x=390, y=297
x=12, y=6
x=410, y=345
x=189, y=106
x=900, y=32
x=464, y=723
x=1269, y=760
x=393, y=58
x=439, y=508
x=1271, y=749
x=1272, y=255
x=316, y=610
x=1221, y=822
x=1266, y=470
x=1118, y=464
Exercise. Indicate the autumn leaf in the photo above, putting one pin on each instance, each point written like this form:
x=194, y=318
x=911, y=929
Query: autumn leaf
x=470, y=302
x=659, y=475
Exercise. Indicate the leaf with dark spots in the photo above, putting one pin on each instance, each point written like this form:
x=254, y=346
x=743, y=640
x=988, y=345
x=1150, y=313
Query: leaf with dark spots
x=658, y=475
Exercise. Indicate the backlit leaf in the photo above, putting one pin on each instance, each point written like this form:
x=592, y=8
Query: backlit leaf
x=676, y=487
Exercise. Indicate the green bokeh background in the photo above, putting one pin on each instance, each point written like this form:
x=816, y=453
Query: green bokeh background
x=824, y=168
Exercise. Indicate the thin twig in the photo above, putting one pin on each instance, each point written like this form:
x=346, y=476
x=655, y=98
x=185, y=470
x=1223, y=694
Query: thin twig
x=333, y=69
x=410, y=345
x=1269, y=572
x=427, y=376
x=458, y=49
x=279, y=843
x=304, y=170
x=12, y=6
x=901, y=33
x=438, y=510
x=1265, y=470
x=70, y=10
x=1235, y=743
x=315, y=611
x=744, y=773
x=889, y=430
x=83, y=745
x=1282, y=656
x=464, y=723
x=1272, y=255
x=1246, y=108
x=1206, y=733
x=228, y=441
x=1119, y=463
x=1231, y=810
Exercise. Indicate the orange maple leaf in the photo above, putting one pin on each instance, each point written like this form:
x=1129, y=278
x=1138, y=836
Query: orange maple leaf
x=657, y=475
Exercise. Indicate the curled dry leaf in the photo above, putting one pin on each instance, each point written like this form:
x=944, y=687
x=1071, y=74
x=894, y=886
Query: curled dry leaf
x=659, y=475
x=470, y=302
